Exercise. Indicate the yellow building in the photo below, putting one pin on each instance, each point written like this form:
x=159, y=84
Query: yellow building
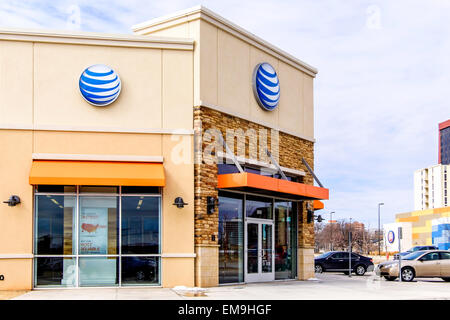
x=143, y=159
x=429, y=227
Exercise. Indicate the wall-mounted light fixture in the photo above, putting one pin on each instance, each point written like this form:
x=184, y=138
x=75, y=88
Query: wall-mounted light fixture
x=13, y=201
x=311, y=217
x=210, y=205
x=179, y=202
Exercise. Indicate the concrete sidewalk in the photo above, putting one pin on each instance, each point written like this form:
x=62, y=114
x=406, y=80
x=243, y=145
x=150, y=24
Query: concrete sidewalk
x=328, y=286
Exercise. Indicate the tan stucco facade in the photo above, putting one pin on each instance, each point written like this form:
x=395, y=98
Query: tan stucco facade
x=222, y=81
x=169, y=67
x=43, y=112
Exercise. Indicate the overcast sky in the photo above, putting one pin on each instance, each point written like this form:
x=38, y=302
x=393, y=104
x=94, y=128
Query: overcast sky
x=383, y=82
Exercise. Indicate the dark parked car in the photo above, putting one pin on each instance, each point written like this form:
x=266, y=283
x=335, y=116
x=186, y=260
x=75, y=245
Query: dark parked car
x=414, y=249
x=338, y=261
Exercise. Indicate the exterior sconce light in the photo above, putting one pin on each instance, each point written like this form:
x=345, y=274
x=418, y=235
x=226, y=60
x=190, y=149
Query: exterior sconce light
x=311, y=217
x=179, y=202
x=210, y=205
x=13, y=201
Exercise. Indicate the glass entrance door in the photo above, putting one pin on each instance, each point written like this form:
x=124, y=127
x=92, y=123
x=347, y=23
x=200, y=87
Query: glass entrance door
x=259, y=249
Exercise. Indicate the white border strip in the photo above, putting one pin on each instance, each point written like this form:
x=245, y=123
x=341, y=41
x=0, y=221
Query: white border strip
x=17, y=256
x=248, y=118
x=4, y=126
x=96, y=157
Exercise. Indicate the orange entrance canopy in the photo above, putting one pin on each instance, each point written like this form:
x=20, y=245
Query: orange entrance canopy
x=104, y=173
x=267, y=185
x=318, y=205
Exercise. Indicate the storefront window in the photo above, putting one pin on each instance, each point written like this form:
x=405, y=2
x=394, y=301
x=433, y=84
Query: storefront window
x=258, y=207
x=54, y=224
x=99, y=271
x=55, y=271
x=231, y=238
x=285, y=239
x=90, y=236
x=140, y=270
x=140, y=225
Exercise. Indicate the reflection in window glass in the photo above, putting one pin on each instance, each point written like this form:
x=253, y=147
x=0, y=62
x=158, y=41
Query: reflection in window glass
x=285, y=239
x=252, y=170
x=54, y=224
x=140, y=190
x=99, y=271
x=252, y=248
x=140, y=225
x=55, y=271
x=258, y=207
x=99, y=225
x=445, y=255
x=56, y=189
x=266, y=250
x=140, y=270
x=98, y=189
x=225, y=168
x=231, y=238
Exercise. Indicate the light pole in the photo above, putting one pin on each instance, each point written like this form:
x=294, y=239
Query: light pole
x=331, y=225
x=379, y=228
x=350, y=240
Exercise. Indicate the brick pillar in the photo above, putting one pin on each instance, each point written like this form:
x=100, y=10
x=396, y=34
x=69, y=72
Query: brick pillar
x=206, y=225
x=305, y=257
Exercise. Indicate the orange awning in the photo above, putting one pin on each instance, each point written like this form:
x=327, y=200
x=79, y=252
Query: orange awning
x=318, y=205
x=103, y=173
x=253, y=182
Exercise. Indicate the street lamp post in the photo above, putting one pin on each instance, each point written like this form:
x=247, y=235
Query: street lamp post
x=379, y=228
x=331, y=236
x=350, y=240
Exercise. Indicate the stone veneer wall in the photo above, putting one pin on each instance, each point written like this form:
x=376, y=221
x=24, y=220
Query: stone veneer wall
x=290, y=153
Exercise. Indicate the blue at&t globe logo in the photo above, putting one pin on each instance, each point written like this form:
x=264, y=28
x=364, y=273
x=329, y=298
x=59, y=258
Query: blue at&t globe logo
x=99, y=85
x=266, y=86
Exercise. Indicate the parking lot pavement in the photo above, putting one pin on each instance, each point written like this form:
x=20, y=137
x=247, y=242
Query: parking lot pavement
x=327, y=286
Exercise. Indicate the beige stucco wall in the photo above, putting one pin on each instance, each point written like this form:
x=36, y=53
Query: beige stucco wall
x=39, y=86
x=40, y=99
x=16, y=82
x=16, y=223
x=224, y=65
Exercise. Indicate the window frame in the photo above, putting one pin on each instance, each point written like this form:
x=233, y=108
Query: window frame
x=76, y=237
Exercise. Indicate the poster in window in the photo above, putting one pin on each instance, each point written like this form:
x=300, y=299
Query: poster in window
x=94, y=231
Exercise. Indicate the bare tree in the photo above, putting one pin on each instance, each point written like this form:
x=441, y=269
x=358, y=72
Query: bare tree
x=335, y=236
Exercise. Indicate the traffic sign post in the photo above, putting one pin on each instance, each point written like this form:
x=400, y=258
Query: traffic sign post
x=350, y=254
x=400, y=237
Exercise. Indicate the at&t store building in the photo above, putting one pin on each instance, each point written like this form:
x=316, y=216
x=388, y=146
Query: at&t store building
x=180, y=155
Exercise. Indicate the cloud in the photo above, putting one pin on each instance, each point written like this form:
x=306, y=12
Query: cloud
x=382, y=86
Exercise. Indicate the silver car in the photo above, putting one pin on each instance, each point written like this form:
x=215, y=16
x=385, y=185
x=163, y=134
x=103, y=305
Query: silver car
x=419, y=264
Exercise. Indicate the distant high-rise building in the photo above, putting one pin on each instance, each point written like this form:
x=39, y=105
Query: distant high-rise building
x=430, y=187
x=444, y=142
